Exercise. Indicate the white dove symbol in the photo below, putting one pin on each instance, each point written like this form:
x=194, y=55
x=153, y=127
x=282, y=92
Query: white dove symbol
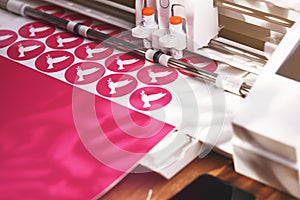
x=22, y=50
x=121, y=62
x=90, y=51
x=33, y=30
x=113, y=85
x=50, y=12
x=80, y=72
x=107, y=31
x=61, y=40
x=77, y=20
x=200, y=65
x=154, y=75
x=152, y=97
x=5, y=37
x=52, y=61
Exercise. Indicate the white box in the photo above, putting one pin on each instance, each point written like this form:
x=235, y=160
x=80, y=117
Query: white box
x=266, y=167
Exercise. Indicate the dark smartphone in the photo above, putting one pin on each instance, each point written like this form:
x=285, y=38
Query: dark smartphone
x=207, y=187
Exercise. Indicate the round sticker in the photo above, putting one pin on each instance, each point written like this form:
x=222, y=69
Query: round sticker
x=93, y=51
x=7, y=37
x=124, y=63
x=54, y=61
x=79, y=19
x=52, y=10
x=157, y=75
x=25, y=50
x=116, y=85
x=84, y=73
x=150, y=98
x=200, y=62
x=127, y=37
x=107, y=29
x=63, y=41
x=36, y=30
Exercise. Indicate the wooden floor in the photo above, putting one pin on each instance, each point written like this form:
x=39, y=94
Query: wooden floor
x=136, y=185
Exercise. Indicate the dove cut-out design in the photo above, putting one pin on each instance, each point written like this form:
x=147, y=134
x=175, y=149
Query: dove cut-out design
x=155, y=75
x=76, y=18
x=151, y=97
x=49, y=12
x=89, y=51
x=54, y=61
x=93, y=51
x=113, y=85
x=116, y=85
x=124, y=63
x=79, y=21
x=82, y=72
x=199, y=65
x=121, y=62
x=60, y=41
x=64, y=40
x=22, y=50
x=51, y=61
x=106, y=31
x=25, y=49
x=34, y=30
x=202, y=63
x=5, y=37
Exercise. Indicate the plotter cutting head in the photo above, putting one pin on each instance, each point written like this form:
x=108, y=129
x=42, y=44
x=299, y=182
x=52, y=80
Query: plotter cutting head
x=240, y=33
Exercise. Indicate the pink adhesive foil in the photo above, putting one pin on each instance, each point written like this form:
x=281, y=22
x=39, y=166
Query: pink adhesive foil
x=56, y=144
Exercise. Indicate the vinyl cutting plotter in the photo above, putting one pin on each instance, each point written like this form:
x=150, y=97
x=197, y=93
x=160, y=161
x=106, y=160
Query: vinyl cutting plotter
x=255, y=43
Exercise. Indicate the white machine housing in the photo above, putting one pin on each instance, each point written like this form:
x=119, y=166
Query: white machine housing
x=267, y=127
